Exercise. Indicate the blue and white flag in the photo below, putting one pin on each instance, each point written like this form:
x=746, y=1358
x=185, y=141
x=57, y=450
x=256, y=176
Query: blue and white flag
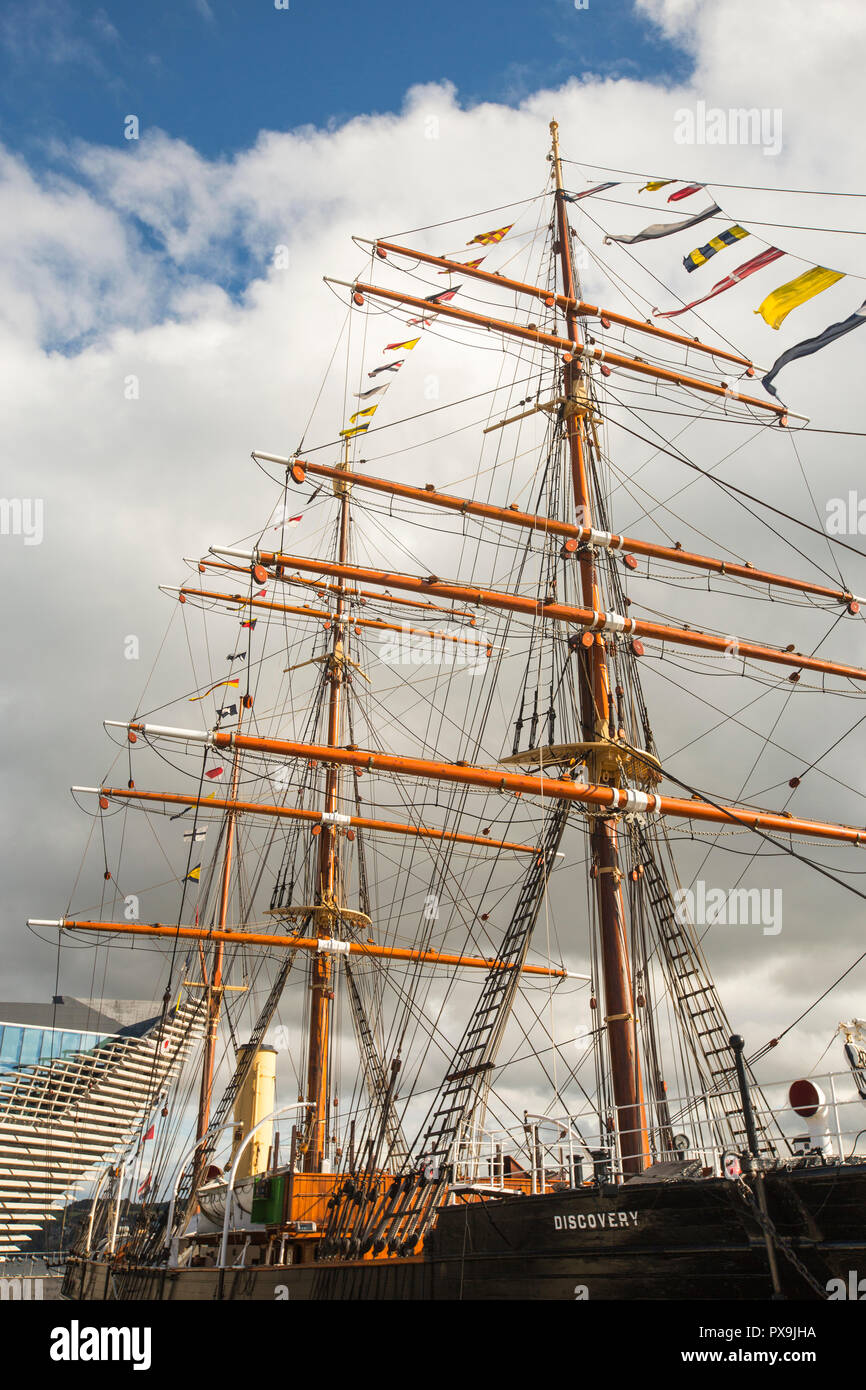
x=810, y=345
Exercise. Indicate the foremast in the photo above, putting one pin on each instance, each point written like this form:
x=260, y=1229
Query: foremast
x=326, y=909
x=214, y=982
x=327, y=906
x=595, y=711
x=327, y=895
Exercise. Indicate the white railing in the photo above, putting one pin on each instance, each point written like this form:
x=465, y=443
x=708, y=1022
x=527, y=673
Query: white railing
x=570, y=1149
x=237, y=1156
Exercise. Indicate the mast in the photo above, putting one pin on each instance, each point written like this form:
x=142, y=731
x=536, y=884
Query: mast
x=215, y=981
x=619, y=1017
x=321, y=970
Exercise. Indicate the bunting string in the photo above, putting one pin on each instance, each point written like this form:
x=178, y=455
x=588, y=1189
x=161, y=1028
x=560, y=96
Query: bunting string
x=774, y=307
x=359, y=422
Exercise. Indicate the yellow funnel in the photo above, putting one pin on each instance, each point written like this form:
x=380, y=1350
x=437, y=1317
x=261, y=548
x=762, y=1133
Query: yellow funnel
x=256, y=1098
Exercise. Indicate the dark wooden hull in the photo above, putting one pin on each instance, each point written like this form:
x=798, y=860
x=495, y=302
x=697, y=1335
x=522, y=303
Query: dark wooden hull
x=683, y=1240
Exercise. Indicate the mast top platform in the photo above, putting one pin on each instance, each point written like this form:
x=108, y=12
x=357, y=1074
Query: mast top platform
x=614, y=764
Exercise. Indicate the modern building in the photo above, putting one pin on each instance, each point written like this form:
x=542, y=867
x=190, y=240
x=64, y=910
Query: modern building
x=77, y=1079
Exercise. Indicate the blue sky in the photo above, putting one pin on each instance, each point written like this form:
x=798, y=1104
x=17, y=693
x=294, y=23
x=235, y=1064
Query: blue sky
x=216, y=72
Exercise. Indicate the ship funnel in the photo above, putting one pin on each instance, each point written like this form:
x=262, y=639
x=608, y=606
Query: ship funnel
x=256, y=1099
x=809, y=1102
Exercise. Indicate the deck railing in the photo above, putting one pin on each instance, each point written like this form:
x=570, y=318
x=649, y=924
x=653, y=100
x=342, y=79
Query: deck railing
x=550, y=1151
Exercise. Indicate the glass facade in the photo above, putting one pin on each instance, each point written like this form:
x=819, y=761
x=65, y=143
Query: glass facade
x=23, y=1046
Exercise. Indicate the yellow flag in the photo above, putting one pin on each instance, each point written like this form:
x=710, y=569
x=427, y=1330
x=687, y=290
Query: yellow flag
x=350, y=434
x=359, y=414
x=779, y=304
x=193, y=698
x=655, y=185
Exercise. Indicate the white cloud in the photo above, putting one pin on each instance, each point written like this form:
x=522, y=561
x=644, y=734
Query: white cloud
x=152, y=261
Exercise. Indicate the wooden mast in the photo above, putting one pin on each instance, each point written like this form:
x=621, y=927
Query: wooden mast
x=215, y=982
x=619, y=1017
x=329, y=889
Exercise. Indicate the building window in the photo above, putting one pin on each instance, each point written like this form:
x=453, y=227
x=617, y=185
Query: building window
x=70, y=1043
x=31, y=1047
x=10, y=1046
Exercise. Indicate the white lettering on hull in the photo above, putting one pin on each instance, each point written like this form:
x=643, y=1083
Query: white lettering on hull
x=595, y=1220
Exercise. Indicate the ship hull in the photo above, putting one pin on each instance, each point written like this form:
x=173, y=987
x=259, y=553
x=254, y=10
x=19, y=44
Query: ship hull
x=685, y=1240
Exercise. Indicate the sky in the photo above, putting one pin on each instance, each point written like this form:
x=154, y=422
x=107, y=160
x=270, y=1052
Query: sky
x=216, y=73
x=151, y=339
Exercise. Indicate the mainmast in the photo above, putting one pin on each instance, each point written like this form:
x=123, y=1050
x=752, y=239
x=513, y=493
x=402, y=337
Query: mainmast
x=595, y=708
x=328, y=890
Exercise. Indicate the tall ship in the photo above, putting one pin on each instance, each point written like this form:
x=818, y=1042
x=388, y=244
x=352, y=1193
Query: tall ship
x=453, y=1029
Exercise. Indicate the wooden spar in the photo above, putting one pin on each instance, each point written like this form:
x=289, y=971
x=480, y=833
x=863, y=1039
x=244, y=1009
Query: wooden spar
x=303, y=943
x=296, y=813
x=590, y=619
x=565, y=345
x=585, y=535
x=324, y=613
x=620, y=1014
x=320, y=587
x=567, y=304
x=612, y=799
